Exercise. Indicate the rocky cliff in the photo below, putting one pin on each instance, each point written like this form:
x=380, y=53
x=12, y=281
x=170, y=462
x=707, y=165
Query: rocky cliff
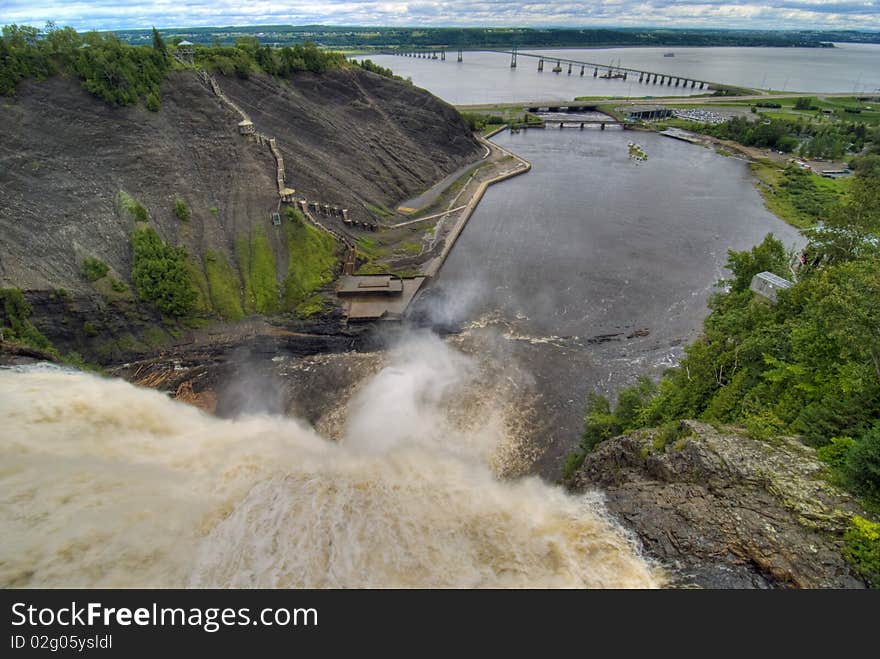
x=720, y=509
x=348, y=137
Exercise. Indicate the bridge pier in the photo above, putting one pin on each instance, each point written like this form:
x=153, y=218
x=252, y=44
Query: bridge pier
x=603, y=125
x=459, y=55
x=560, y=125
x=641, y=77
x=582, y=125
x=655, y=79
x=702, y=84
x=624, y=75
x=693, y=82
x=569, y=68
x=442, y=55
x=513, y=58
x=595, y=72
x=541, y=64
x=582, y=69
x=677, y=80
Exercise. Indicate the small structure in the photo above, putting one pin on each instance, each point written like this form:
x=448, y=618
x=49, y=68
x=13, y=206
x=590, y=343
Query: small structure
x=185, y=52
x=377, y=297
x=246, y=127
x=767, y=285
x=276, y=219
x=836, y=173
x=648, y=112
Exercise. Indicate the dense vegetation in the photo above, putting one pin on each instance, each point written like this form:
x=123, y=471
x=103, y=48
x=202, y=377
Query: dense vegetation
x=477, y=121
x=249, y=55
x=115, y=71
x=369, y=65
x=15, y=324
x=93, y=269
x=123, y=74
x=160, y=273
x=809, y=138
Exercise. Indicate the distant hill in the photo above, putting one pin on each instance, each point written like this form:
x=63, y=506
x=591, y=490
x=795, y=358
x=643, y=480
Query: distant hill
x=415, y=37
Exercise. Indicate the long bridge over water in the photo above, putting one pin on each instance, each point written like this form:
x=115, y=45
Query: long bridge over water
x=571, y=66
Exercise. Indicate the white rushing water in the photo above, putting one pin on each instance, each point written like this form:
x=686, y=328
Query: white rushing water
x=106, y=484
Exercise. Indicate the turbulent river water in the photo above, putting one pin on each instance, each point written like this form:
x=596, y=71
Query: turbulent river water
x=105, y=484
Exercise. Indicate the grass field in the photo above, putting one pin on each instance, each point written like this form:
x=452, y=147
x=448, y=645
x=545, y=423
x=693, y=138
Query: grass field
x=796, y=196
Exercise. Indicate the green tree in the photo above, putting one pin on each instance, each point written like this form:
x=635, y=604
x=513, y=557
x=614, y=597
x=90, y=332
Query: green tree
x=160, y=274
x=769, y=256
x=862, y=466
x=158, y=44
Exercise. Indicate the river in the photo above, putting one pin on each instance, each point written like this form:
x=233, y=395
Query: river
x=572, y=262
x=486, y=77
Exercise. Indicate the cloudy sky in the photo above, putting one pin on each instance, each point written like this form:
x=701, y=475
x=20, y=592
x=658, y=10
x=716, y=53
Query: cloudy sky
x=777, y=14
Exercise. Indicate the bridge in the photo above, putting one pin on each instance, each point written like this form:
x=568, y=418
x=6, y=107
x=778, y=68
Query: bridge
x=570, y=66
x=578, y=123
x=607, y=71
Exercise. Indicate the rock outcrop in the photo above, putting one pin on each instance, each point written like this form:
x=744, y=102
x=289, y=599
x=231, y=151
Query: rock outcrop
x=720, y=509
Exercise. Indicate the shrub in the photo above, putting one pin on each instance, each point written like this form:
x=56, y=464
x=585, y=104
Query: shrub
x=763, y=425
x=15, y=313
x=154, y=101
x=671, y=432
x=573, y=462
x=599, y=423
x=93, y=269
x=862, y=548
x=159, y=273
x=134, y=208
x=835, y=453
x=181, y=210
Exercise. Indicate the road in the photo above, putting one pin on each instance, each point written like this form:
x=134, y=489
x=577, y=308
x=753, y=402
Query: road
x=668, y=100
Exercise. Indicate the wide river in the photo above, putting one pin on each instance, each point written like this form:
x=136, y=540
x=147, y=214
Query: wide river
x=595, y=269
x=486, y=77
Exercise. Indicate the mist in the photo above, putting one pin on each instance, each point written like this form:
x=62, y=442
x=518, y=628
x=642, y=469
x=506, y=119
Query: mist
x=104, y=484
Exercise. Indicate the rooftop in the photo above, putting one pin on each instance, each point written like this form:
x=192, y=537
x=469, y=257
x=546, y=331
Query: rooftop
x=370, y=284
x=377, y=297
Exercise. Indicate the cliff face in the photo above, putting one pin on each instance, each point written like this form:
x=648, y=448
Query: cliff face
x=723, y=510
x=348, y=137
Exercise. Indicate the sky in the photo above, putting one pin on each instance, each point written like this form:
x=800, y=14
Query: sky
x=777, y=14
